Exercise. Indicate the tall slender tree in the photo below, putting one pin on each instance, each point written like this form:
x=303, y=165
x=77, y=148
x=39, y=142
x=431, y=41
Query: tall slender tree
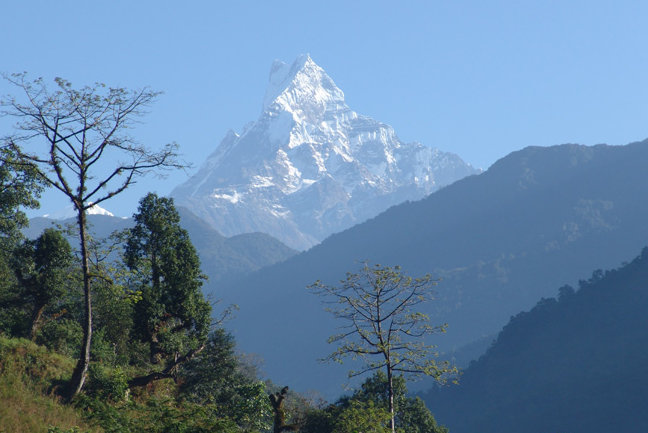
x=172, y=317
x=76, y=141
x=382, y=327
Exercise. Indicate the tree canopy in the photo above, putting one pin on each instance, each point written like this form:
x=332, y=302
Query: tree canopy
x=367, y=410
x=382, y=327
x=42, y=268
x=19, y=188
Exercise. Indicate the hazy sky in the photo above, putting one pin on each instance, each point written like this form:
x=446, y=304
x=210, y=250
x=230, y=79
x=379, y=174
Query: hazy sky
x=478, y=78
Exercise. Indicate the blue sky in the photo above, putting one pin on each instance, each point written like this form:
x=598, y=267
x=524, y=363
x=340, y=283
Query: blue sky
x=477, y=78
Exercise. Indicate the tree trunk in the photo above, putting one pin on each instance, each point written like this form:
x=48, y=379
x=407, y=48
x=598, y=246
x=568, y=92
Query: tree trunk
x=390, y=388
x=277, y=402
x=168, y=372
x=81, y=370
x=145, y=380
x=35, y=321
x=155, y=355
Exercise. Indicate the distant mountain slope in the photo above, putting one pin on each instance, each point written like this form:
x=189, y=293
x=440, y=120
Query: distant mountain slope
x=101, y=225
x=576, y=364
x=224, y=257
x=309, y=166
x=537, y=219
x=221, y=257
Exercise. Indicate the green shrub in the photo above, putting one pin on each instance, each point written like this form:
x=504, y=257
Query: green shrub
x=102, y=350
x=107, y=383
x=63, y=336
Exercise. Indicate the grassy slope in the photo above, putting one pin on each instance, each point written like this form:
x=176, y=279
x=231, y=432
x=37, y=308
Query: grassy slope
x=29, y=375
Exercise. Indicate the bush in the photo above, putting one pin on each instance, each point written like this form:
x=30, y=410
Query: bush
x=102, y=350
x=63, y=336
x=107, y=383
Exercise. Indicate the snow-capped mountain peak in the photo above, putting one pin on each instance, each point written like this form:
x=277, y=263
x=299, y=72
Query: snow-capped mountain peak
x=302, y=88
x=70, y=212
x=309, y=166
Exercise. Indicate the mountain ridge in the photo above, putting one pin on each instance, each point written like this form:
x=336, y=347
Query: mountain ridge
x=537, y=219
x=222, y=258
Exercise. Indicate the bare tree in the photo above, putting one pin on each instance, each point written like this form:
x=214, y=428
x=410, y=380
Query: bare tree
x=77, y=142
x=382, y=329
x=277, y=402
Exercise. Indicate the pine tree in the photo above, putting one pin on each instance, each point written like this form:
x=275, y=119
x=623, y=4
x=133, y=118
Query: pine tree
x=172, y=317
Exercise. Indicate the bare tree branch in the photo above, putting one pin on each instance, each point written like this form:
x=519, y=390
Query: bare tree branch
x=70, y=134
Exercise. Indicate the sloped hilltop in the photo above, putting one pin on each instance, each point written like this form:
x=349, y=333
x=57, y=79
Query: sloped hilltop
x=574, y=364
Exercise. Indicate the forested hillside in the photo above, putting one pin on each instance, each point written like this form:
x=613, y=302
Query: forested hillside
x=158, y=359
x=573, y=364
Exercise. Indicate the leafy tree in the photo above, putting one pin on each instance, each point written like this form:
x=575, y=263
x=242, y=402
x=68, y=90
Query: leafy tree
x=411, y=415
x=19, y=187
x=367, y=410
x=155, y=415
x=362, y=416
x=172, y=316
x=114, y=301
x=278, y=400
x=216, y=377
x=382, y=328
x=42, y=268
x=78, y=145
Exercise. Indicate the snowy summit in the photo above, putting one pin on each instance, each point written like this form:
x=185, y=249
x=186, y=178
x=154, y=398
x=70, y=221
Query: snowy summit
x=309, y=166
x=70, y=212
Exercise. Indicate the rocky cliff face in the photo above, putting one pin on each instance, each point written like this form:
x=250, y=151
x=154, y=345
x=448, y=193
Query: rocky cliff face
x=310, y=166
